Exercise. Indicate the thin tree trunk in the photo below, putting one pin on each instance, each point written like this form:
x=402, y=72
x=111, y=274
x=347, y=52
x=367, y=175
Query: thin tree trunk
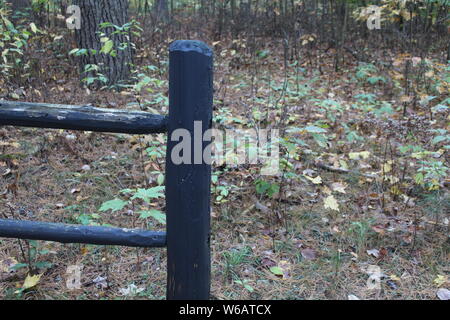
x=161, y=10
x=93, y=13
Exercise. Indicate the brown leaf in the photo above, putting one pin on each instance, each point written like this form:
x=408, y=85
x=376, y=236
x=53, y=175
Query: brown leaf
x=309, y=254
x=267, y=262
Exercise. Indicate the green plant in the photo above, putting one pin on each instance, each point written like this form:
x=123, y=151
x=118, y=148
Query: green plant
x=266, y=188
x=430, y=173
x=235, y=257
x=31, y=254
x=94, y=74
x=14, y=41
x=360, y=230
x=245, y=284
x=144, y=198
x=331, y=108
x=368, y=72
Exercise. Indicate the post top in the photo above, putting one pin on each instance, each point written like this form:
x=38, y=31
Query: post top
x=191, y=45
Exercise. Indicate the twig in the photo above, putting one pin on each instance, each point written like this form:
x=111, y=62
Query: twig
x=322, y=165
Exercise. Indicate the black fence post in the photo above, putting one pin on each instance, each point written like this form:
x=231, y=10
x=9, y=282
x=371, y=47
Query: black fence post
x=188, y=183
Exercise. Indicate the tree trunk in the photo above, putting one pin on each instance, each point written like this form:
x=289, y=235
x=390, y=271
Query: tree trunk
x=161, y=10
x=114, y=65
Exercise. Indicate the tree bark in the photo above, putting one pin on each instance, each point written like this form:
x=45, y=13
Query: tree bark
x=93, y=13
x=161, y=10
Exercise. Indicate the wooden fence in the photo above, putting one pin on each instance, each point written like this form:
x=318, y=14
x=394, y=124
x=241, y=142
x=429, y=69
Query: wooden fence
x=187, y=236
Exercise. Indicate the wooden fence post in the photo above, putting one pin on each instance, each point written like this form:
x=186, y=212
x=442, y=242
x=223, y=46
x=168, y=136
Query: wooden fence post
x=188, y=183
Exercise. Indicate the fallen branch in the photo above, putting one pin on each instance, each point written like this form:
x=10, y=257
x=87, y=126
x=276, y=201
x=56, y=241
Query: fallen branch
x=322, y=165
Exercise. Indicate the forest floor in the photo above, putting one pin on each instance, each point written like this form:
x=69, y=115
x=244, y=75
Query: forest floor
x=360, y=211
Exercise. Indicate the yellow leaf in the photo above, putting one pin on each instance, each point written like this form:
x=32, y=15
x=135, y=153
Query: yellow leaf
x=395, y=190
x=12, y=144
x=440, y=280
x=343, y=164
x=316, y=180
x=326, y=190
x=33, y=27
x=359, y=155
x=398, y=76
x=31, y=281
x=387, y=167
x=394, y=277
x=391, y=179
x=331, y=203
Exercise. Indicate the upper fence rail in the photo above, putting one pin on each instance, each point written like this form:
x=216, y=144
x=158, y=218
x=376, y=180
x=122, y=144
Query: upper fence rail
x=65, y=233
x=85, y=118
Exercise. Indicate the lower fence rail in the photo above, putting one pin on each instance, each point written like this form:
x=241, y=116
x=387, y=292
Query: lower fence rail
x=64, y=233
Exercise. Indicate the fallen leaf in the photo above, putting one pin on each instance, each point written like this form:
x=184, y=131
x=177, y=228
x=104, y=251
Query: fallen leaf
x=374, y=252
x=261, y=207
x=100, y=282
x=267, y=262
x=443, y=294
x=276, y=271
x=316, y=180
x=394, y=277
x=379, y=229
x=359, y=155
x=338, y=187
x=440, y=280
x=31, y=281
x=7, y=264
x=309, y=254
x=282, y=269
x=326, y=190
x=331, y=203
x=387, y=167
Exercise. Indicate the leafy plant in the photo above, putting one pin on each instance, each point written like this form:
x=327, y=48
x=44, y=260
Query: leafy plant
x=266, y=188
x=145, y=195
x=14, y=41
x=361, y=231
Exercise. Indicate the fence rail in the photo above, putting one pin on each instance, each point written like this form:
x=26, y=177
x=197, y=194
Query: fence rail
x=65, y=233
x=86, y=118
x=187, y=235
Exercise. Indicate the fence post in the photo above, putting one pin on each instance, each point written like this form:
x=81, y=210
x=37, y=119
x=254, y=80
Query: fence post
x=188, y=183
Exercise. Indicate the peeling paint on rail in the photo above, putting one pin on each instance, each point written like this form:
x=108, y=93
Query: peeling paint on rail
x=86, y=118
